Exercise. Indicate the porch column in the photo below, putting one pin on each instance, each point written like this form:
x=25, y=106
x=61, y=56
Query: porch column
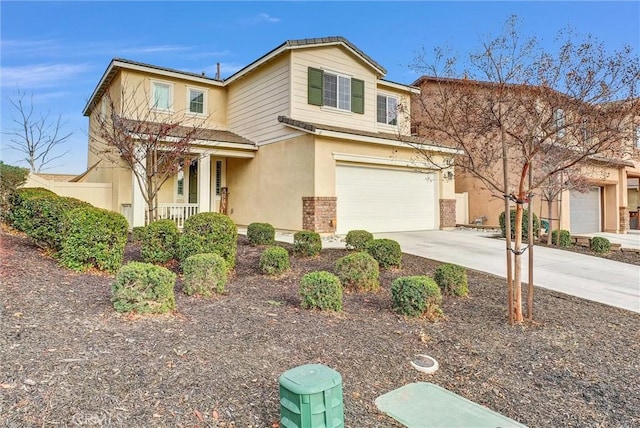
x=138, y=205
x=204, y=184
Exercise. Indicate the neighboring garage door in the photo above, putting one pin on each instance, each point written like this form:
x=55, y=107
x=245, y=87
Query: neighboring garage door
x=384, y=200
x=585, y=211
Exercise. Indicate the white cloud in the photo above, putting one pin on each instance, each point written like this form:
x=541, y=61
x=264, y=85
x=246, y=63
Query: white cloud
x=40, y=75
x=48, y=47
x=267, y=18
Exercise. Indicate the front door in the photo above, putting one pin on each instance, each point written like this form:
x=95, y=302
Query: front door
x=193, y=182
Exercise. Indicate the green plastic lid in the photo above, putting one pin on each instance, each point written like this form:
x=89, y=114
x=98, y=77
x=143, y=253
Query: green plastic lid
x=310, y=379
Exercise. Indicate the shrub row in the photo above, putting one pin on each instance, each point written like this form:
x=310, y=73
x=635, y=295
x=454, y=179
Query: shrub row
x=525, y=224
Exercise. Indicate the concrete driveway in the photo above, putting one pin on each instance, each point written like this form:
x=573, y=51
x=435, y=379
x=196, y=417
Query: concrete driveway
x=612, y=283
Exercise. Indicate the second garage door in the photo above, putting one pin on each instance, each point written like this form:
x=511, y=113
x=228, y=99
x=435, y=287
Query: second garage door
x=384, y=200
x=585, y=211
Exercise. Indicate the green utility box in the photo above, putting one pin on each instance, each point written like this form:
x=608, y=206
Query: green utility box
x=311, y=397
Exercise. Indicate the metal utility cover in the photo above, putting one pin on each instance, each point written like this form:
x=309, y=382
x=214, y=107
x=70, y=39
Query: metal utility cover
x=425, y=405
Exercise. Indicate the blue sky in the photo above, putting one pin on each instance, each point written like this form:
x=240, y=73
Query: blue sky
x=59, y=50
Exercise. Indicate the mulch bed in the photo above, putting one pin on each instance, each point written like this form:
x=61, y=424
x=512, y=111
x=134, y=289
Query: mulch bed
x=68, y=359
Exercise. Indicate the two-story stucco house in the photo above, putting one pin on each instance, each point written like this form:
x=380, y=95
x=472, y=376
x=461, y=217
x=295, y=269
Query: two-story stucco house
x=307, y=136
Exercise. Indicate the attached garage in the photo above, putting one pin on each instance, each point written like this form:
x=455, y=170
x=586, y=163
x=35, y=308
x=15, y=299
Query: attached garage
x=585, y=211
x=384, y=200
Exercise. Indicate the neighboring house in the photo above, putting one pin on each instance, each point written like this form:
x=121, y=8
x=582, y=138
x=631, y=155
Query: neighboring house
x=306, y=137
x=602, y=206
x=632, y=174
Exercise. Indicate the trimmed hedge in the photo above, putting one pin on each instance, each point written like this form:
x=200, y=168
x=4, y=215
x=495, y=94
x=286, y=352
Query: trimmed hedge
x=11, y=177
x=19, y=216
x=144, y=288
x=204, y=274
x=209, y=233
x=159, y=241
x=525, y=224
x=95, y=238
x=452, y=279
x=600, y=245
x=387, y=252
x=321, y=290
x=416, y=295
x=307, y=243
x=274, y=261
x=358, y=271
x=261, y=234
x=358, y=240
x=565, y=238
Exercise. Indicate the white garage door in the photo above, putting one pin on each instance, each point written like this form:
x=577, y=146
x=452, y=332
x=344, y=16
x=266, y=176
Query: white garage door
x=384, y=200
x=585, y=211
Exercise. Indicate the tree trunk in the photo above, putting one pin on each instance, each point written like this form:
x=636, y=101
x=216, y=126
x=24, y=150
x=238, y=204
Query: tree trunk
x=530, y=238
x=517, y=266
x=550, y=228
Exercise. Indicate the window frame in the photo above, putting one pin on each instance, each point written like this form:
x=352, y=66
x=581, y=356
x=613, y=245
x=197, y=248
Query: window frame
x=636, y=137
x=559, y=122
x=387, y=121
x=340, y=95
x=204, y=100
x=152, y=100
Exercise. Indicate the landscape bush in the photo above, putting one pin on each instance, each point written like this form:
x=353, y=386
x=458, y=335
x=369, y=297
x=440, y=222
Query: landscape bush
x=159, y=241
x=452, y=279
x=565, y=238
x=358, y=271
x=261, y=234
x=11, y=177
x=307, y=243
x=144, y=288
x=18, y=215
x=358, y=240
x=321, y=290
x=48, y=222
x=416, y=295
x=204, y=274
x=137, y=233
x=274, y=261
x=95, y=238
x=387, y=252
x=525, y=224
x=600, y=245
x=209, y=233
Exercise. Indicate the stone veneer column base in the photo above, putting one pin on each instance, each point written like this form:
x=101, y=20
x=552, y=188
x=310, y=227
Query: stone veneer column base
x=447, y=214
x=625, y=222
x=319, y=213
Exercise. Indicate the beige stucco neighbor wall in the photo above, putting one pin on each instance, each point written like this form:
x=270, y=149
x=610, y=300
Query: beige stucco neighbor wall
x=97, y=194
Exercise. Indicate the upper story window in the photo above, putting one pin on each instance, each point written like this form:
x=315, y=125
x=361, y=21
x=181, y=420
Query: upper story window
x=161, y=94
x=334, y=90
x=558, y=118
x=196, y=101
x=637, y=137
x=387, y=110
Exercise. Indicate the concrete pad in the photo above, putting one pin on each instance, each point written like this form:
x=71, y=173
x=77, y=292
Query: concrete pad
x=425, y=405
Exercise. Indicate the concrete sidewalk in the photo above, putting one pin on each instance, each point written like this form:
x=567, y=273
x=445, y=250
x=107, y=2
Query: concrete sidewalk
x=612, y=283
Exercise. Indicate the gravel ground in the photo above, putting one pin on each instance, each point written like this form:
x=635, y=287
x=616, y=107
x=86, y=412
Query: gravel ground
x=68, y=359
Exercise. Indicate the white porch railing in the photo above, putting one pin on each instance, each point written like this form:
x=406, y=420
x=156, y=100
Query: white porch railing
x=177, y=212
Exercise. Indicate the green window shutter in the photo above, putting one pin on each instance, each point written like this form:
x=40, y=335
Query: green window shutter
x=357, y=96
x=315, y=86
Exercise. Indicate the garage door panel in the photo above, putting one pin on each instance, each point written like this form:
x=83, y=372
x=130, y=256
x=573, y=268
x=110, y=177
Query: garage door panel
x=585, y=211
x=383, y=200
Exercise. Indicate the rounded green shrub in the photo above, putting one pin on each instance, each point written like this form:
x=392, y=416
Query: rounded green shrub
x=274, y=261
x=387, y=252
x=307, y=243
x=19, y=216
x=600, y=245
x=565, y=238
x=321, y=290
x=261, y=234
x=416, y=295
x=95, y=238
x=11, y=178
x=137, y=233
x=452, y=279
x=159, y=241
x=358, y=239
x=525, y=224
x=204, y=274
x=144, y=288
x=209, y=233
x=358, y=271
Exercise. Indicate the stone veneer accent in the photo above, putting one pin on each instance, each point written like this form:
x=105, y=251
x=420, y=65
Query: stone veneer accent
x=447, y=213
x=625, y=223
x=319, y=213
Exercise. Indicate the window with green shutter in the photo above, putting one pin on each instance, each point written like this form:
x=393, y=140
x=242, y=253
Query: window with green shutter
x=315, y=86
x=334, y=90
x=357, y=96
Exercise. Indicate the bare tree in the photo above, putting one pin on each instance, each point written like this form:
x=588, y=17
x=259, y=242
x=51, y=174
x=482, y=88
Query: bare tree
x=37, y=137
x=153, y=143
x=520, y=116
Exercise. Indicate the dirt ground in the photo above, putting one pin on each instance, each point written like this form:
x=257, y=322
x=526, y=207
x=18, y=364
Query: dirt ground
x=68, y=359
